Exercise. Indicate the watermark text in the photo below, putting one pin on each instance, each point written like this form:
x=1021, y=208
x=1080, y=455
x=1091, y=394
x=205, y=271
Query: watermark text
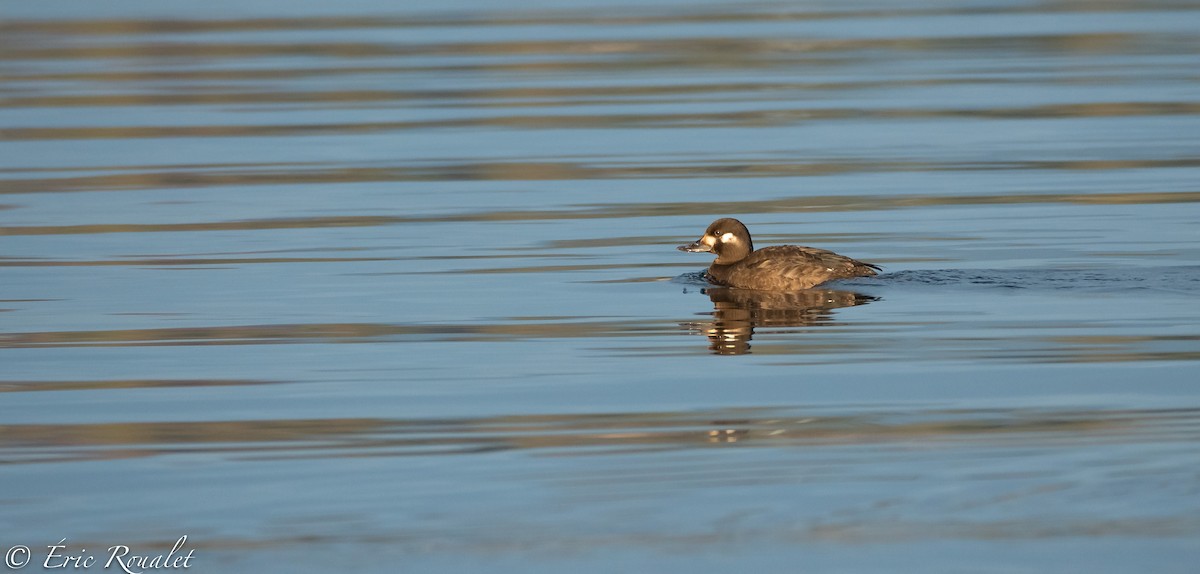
x=116, y=558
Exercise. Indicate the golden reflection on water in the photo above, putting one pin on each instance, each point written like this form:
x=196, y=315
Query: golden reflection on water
x=737, y=317
x=634, y=16
x=621, y=210
x=763, y=118
x=206, y=176
x=338, y=132
x=319, y=333
x=568, y=434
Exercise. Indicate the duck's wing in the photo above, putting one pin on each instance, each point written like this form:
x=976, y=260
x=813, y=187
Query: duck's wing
x=807, y=264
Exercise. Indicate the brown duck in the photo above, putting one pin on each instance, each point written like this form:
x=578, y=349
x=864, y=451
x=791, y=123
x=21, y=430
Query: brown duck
x=776, y=268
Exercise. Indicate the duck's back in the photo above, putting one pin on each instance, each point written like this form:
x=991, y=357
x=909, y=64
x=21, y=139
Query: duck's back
x=787, y=268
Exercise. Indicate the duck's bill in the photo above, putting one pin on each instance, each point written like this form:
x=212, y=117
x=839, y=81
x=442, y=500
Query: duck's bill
x=696, y=247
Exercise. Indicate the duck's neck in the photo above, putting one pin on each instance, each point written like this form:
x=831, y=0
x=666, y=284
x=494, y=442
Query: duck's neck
x=732, y=255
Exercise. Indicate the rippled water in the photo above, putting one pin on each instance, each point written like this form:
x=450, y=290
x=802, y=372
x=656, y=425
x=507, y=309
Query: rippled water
x=393, y=288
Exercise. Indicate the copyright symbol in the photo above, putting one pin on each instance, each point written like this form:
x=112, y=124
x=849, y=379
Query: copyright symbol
x=16, y=557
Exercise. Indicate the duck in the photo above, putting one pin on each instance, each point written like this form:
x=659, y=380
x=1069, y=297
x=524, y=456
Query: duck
x=775, y=268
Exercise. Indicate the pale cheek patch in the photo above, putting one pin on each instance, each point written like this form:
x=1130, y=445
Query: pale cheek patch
x=728, y=238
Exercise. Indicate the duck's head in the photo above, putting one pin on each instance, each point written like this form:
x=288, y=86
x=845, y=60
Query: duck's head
x=727, y=238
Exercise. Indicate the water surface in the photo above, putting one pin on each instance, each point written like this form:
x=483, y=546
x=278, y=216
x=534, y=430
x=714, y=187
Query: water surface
x=395, y=288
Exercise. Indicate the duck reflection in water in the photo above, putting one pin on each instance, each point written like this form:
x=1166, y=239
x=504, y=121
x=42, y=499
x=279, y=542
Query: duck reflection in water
x=737, y=312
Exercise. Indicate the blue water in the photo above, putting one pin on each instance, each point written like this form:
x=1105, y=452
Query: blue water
x=394, y=288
